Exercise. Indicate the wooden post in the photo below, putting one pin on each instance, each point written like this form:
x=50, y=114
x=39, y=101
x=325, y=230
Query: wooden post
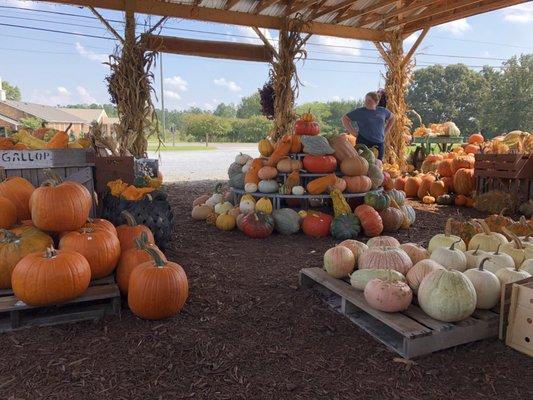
x=397, y=79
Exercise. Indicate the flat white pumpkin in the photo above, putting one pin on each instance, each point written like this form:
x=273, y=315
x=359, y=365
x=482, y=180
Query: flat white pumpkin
x=446, y=239
x=474, y=257
x=510, y=275
x=498, y=260
x=486, y=284
x=450, y=258
x=486, y=240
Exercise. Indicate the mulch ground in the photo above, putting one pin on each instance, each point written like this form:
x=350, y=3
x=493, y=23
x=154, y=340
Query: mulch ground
x=248, y=332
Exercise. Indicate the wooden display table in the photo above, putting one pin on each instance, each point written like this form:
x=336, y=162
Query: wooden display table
x=444, y=143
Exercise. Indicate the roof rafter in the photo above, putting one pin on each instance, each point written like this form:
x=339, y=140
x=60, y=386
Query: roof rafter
x=367, y=10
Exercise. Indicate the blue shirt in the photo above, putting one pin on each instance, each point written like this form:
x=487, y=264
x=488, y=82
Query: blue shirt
x=370, y=123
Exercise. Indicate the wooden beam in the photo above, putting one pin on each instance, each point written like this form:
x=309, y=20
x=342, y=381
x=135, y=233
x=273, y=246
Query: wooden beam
x=367, y=10
x=294, y=8
x=415, y=45
x=400, y=11
x=452, y=15
x=207, y=48
x=264, y=4
x=107, y=25
x=336, y=7
x=175, y=10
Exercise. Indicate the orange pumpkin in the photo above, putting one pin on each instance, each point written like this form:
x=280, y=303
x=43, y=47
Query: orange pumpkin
x=370, y=220
x=434, y=157
x=358, y=184
x=132, y=258
x=425, y=184
x=399, y=183
x=18, y=190
x=321, y=185
x=52, y=277
x=472, y=149
x=8, y=213
x=464, y=161
x=103, y=224
x=157, y=289
x=60, y=206
x=464, y=182
x=296, y=144
x=448, y=183
x=128, y=232
x=58, y=141
x=460, y=200
x=445, y=167
x=476, y=138
x=437, y=188
x=411, y=186
x=101, y=248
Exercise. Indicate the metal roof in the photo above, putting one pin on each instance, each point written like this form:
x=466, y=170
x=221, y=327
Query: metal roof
x=46, y=113
x=87, y=114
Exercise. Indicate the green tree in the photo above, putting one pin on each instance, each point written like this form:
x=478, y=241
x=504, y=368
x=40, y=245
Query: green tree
x=249, y=130
x=249, y=106
x=197, y=126
x=31, y=123
x=454, y=93
x=12, y=92
x=225, y=110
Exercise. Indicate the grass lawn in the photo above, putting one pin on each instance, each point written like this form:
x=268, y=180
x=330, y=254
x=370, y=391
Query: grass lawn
x=182, y=147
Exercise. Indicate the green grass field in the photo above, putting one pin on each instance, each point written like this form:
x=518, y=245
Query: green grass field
x=181, y=147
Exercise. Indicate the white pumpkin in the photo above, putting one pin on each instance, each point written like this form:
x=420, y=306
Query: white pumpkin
x=250, y=187
x=214, y=199
x=486, y=284
x=447, y=295
x=514, y=248
x=359, y=278
x=247, y=204
x=242, y=158
x=356, y=247
x=298, y=190
x=246, y=167
x=446, y=239
x=486, y=240
x=527, y=266
x=510, y=275
x=498, y=260
x=420, y=270
x=223, y=207
x=450, y=258
x=474, y=257
x=339, y=261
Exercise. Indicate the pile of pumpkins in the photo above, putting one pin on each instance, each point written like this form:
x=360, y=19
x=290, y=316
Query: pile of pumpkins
x=449, y=278
x=50, y=250
x=42, y=138
x=446, y=179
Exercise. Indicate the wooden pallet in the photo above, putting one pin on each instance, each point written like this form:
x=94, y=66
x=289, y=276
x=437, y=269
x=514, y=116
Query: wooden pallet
x=97, y=301
x=411, y=333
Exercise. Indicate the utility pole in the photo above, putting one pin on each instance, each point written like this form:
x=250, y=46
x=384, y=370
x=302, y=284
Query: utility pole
x=162, y=98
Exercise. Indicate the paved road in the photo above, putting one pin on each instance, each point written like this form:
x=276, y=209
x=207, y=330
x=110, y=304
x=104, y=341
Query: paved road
x=201, y=164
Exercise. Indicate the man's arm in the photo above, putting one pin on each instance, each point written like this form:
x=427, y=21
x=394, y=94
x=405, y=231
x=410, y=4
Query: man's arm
x=347, y=123
x=388, y=124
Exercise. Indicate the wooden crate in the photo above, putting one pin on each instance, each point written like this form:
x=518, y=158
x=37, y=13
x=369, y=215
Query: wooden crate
x=109, y=169
x=520, y=323
x=97, y=301
x=411, y=333
x=505, y=305
x=69, y=164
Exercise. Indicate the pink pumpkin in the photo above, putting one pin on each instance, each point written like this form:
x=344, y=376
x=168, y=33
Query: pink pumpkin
x=420, y=270
x=339, y=261
x=388, y=295
x=415, y=252
x=385, y=258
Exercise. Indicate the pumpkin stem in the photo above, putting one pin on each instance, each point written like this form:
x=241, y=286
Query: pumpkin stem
x=485, y=227
x=130, y=219
x=141, y=241
x=52, y=176
x=452, y=247
x=50, y=252
x=7, y=236
x=158, y=261
x=497, y=252
x=514, y=238
x=482, y=263
x=86, y=230
x=476, y=250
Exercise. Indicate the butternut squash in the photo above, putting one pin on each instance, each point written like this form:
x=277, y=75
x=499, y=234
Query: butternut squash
x=252, y=174
x=282, y=149
x=320, y=185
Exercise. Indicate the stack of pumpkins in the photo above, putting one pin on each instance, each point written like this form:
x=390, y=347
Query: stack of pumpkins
x=33, y=220
x=449, y=278
x=446, y=179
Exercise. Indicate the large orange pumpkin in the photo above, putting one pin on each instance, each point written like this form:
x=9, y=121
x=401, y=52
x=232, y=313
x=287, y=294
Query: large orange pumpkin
x=425, y=185
x=357, y=184
x=132, y=258
x=100, y=247
x=445, y=167
x=128, y=232
x=437, y=188
x=17, y=243
x=60, y=206
x=411, y=186
x=370, y=220
x=8, y=213
x=463, y=161
x=448, y=183
x=316, y=224
x=476, y=138
x=99, y=223
x=18, y=190
x=157, y=289
x=464, y=182
x=472, y=149
x=51, y=277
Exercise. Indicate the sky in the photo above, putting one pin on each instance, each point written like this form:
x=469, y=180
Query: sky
x=57, y=69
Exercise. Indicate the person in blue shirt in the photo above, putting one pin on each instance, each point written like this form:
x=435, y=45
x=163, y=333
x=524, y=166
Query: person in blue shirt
x=370, y=123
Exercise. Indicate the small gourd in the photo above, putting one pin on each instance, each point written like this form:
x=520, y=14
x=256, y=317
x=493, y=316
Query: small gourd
x=450, y=258
x=247, y=204
x=298, y=190
x=225, y=222
x=428, y=199
x=264, y=205
x=250, y=188
x=201, y=212
x=223, y=207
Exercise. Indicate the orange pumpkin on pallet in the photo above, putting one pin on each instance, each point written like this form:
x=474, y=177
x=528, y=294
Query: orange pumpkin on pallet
x=128, y=232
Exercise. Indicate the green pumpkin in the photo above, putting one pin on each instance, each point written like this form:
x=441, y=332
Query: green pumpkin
x=345, y=226
x=376, y=175
x=286, y=221
x=377, y=200
x=397, y=195
x=236, y=176
x=446, y=200
x=366, y=153
x=409, y=211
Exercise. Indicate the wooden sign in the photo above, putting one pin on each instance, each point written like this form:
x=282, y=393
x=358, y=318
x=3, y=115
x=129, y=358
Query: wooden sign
x=31, y=159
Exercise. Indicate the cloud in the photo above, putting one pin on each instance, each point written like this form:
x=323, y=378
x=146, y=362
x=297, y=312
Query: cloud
x=521, y=13
x=172, y=95
x=20, y=3
x=84, y=95
x=338, y=45
x=230, y=85
x=63, y=91
x=456, y=28
x=177, y=83
x=90, y=55
x=411, y=39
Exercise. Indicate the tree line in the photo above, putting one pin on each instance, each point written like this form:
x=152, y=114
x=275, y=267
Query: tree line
x=491, y=101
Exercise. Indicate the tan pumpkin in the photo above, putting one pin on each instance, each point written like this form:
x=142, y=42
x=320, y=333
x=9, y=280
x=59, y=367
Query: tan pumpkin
x=288, y=165
x=354, y=166
x=265, y=147
x=415, y=252
x=267, y=172
x=357, y=184
x=420, y=270
x=201, y=212
x=385, y=258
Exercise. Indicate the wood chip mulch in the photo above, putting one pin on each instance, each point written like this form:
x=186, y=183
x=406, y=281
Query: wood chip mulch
x=248, y=332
